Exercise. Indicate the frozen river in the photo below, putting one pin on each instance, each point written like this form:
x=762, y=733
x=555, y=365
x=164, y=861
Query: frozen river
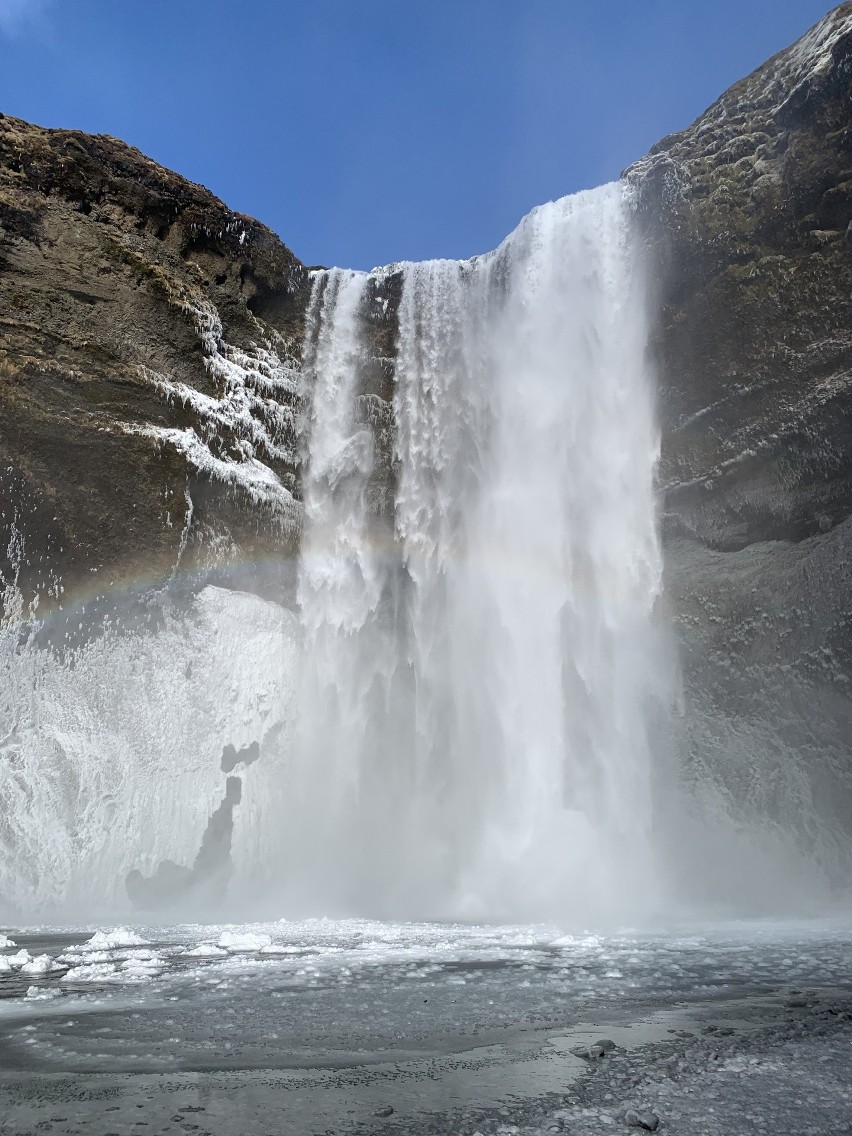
x=320, y=1025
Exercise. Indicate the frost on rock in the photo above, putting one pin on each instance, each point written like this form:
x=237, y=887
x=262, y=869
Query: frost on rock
x=238, y=438
x=222, y=671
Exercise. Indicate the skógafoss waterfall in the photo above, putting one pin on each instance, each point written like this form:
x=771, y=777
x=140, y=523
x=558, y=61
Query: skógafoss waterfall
x=479, y=659
x=457, y=722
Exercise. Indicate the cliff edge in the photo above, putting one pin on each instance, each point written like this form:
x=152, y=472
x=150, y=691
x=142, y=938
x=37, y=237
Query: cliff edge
x=149, y=375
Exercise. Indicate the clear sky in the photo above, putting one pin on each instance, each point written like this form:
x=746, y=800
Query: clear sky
x=367, y=131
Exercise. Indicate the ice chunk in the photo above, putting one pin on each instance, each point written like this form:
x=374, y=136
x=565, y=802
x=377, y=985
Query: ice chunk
x=110, y=940
x=83, y=955
x=42, y=964
x=91, y=972
x=244, y=940
x=41, y=993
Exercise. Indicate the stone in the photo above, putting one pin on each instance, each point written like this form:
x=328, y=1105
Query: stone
x=385, y=1111
x=606, y=1044
x=647, y=1120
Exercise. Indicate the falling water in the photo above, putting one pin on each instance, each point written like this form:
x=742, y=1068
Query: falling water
x=479, y=660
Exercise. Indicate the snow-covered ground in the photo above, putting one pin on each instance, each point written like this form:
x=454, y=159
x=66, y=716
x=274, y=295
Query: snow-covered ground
x=328, y=1023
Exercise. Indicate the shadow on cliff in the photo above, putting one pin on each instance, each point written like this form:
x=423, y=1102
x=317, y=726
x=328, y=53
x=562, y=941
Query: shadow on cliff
x=206, y=882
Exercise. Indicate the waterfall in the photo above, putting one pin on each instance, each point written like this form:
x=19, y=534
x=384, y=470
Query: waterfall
x=479, y=660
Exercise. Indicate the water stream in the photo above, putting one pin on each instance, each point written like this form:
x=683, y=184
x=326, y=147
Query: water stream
x=479, y=667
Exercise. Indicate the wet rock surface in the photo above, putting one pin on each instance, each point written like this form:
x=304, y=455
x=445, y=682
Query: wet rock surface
x=747, y=217
x=764, y=1076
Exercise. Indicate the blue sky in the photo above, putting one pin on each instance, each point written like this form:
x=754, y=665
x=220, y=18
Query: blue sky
x=366, y=131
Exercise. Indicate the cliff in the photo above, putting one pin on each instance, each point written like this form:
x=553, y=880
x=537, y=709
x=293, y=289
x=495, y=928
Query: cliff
x=148, y=376
x=748, y=220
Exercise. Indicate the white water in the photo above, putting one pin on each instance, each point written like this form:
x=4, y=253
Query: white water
x=479, y=670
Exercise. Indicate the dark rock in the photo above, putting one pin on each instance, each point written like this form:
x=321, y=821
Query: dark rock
x=605, y=1044
x=754, y=357
x=647, y=1120
x=119, y=282
x=385, y=1110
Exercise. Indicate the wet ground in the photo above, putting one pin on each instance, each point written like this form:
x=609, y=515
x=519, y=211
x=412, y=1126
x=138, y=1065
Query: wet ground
x=355, y=1026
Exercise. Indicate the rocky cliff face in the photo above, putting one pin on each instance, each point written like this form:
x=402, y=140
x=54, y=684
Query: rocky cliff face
x=148, y=376
x=748, y=218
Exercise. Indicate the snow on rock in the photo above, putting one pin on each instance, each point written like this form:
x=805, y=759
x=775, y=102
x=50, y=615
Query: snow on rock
x=255, y=413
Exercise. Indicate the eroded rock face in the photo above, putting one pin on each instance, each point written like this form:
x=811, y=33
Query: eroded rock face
x=148, y=375
x=748, y=217
x=749, y=213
